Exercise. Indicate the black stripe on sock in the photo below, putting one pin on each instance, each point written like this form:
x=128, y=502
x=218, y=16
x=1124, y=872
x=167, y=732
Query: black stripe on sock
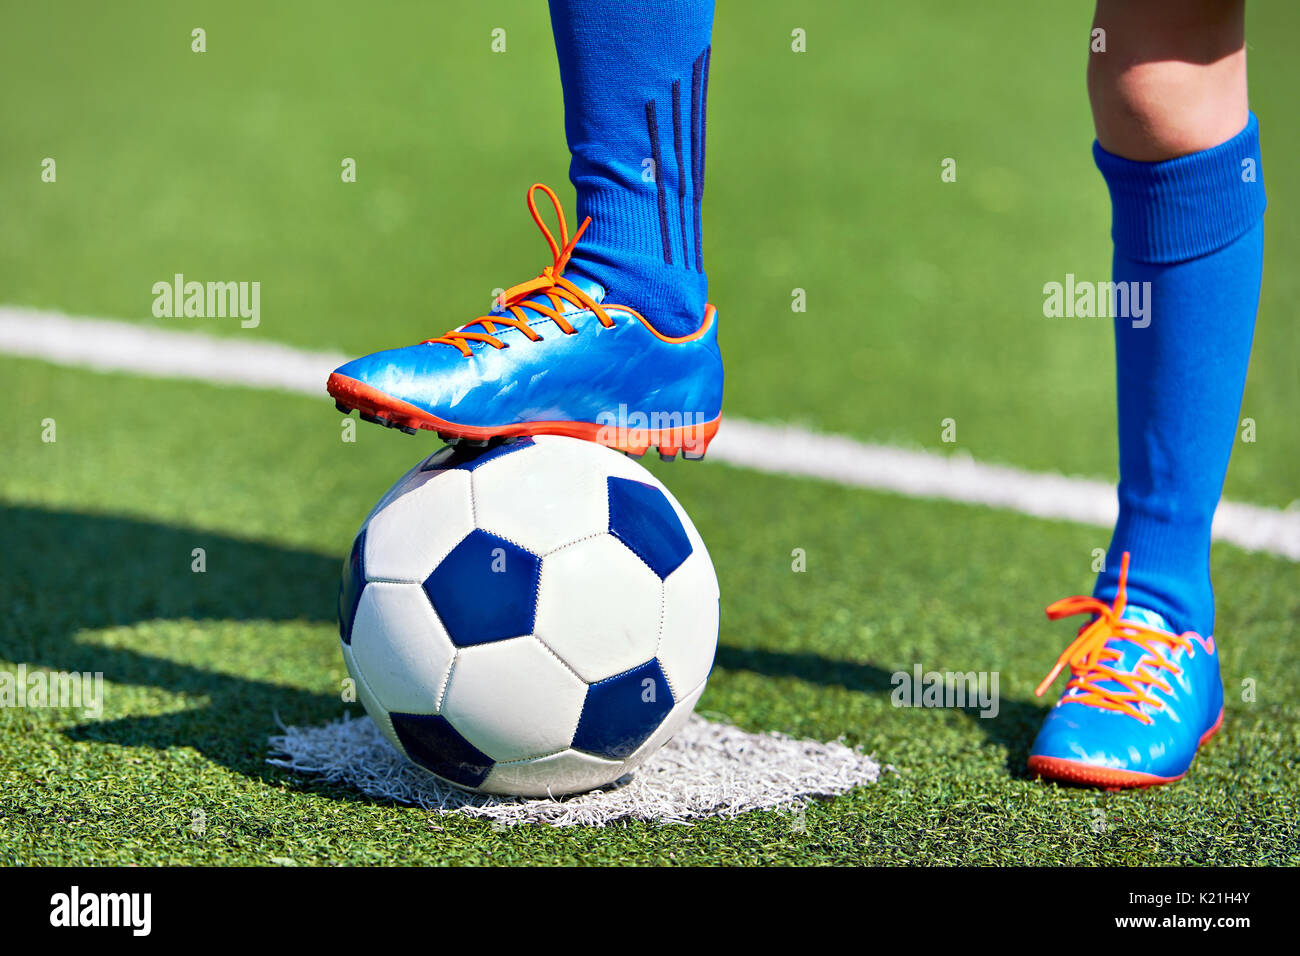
x=697, y=148
x=653, y=128
x=681, y=170
x=704, y=121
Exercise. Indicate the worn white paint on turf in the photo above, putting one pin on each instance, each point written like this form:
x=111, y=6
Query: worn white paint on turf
x=240, y=360
x=707, y=769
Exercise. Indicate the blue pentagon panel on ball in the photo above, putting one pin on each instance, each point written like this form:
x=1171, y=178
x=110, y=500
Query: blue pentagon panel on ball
x=621, y=712
x=353, y=580
x=432, y=742
x=485, y=590
x=643, y=519
x=467, y=457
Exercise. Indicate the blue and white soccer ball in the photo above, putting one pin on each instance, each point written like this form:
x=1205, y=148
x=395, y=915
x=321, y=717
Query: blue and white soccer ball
x=534, y=618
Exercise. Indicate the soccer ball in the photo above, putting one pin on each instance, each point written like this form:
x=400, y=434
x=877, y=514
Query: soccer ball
x=532, y=618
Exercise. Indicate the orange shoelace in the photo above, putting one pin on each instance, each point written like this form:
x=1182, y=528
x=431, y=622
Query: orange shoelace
x=1089, y=658
x=551, y=284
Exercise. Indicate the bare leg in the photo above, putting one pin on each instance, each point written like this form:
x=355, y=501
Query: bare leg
x=1173, y=78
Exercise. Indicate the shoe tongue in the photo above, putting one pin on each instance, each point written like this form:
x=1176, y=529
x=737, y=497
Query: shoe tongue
x=590, y=287
x=1130, y=651
x=1142, y=616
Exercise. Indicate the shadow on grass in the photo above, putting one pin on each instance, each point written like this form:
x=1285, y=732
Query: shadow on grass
x=1013, y=728
x=67, y=572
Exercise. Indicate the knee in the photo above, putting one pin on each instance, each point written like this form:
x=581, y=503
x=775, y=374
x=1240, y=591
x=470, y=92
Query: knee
x=1172, y=77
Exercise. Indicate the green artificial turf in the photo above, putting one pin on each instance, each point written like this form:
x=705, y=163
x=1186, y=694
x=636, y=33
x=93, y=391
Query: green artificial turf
x=924, y=298
x=923, y=303
x=199, y=667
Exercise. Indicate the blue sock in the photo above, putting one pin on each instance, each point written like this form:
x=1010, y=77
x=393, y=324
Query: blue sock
x=1193, y=228
x=635, y=76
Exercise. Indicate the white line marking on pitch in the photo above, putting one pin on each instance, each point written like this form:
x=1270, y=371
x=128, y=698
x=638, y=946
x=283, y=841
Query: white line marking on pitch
x=111, y=346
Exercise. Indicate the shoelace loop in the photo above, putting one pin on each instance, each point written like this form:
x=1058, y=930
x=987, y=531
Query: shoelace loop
x=550, y=283
x=1089, y=658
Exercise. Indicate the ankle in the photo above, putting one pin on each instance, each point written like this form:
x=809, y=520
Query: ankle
x=672, y=300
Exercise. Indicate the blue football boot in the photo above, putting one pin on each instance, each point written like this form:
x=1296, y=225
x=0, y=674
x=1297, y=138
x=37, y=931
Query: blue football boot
x=551, y=358
x=1140, y=700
